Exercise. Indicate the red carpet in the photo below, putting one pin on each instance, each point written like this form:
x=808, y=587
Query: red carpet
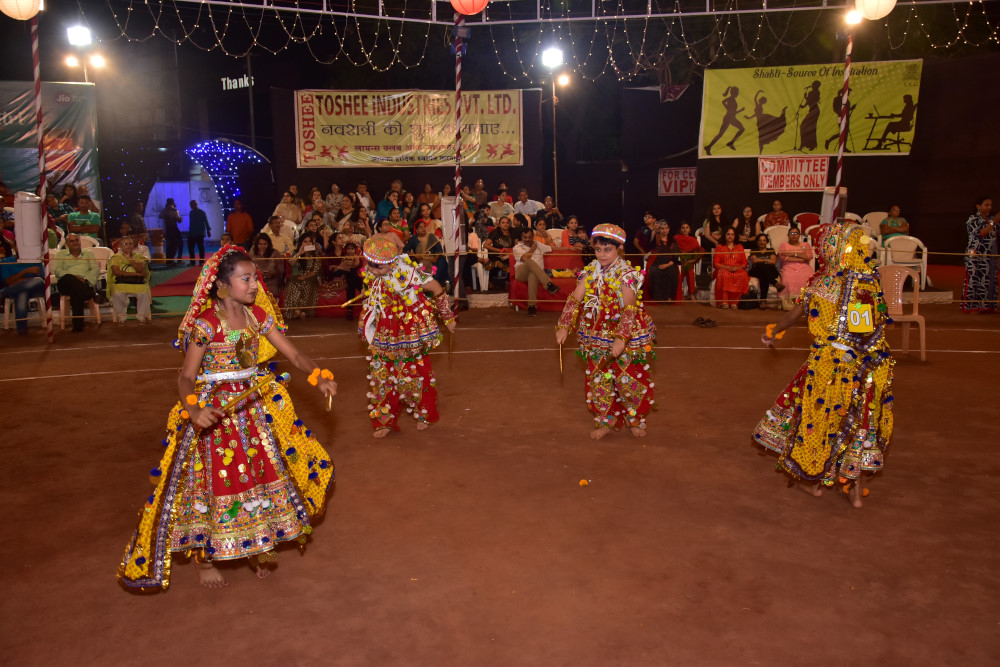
x=180, y=285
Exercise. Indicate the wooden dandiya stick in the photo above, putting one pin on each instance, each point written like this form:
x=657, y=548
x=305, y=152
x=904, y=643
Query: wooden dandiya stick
x=350, y=301
x=243, y=395
x=560, y=359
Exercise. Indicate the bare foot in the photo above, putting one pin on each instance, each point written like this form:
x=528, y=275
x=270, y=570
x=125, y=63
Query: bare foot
x=209, y=577
x=422, y=426
x=814, y=489
x=381, y=433
x=638, y=432
x=599, y=433
x=855, y=495
x=263, y=570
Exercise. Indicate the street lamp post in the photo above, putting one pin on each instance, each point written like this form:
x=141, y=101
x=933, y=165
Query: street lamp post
x=552, y=58
x=79, y=37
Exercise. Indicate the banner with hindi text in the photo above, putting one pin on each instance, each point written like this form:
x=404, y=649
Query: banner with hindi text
x=795, y=110
x=366, y=128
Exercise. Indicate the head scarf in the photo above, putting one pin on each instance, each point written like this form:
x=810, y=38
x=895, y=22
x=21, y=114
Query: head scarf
x=201, y=300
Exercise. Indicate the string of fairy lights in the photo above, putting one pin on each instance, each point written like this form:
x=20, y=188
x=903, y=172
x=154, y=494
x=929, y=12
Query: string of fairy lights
x=618, y=43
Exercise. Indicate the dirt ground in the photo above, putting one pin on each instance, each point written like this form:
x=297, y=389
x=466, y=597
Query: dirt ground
x=473, y=543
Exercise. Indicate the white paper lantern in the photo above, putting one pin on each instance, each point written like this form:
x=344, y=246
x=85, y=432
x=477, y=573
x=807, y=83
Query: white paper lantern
x=22, y=10
x=875, y=9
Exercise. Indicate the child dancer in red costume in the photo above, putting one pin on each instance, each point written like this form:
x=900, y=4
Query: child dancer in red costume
x=615, y=336
x=398, y=322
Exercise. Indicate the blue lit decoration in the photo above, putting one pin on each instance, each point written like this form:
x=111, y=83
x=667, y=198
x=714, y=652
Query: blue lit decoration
x=222, y=159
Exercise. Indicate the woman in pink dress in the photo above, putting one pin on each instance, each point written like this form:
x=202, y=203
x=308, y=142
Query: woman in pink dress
x=796, y=267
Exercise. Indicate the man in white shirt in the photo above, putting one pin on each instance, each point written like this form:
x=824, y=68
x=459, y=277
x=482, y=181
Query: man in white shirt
x=525, y=206
x=282, y=235
x=529, y=266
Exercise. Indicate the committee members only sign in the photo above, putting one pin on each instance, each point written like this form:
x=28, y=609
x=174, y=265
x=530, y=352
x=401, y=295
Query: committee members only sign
x=355, y=128
x=796, y=110
x=792, y=174
x=677, y=181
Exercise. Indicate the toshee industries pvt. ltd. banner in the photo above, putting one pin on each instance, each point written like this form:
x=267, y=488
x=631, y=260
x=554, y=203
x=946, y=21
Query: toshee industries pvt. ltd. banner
x=367, y=128
x=795, y=110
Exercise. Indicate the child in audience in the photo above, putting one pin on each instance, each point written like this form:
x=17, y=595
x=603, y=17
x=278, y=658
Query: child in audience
x=397, y=320
x=615, y=336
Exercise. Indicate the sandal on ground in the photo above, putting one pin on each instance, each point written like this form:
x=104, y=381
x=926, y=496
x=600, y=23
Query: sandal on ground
x=700, y=322
x=708, y=324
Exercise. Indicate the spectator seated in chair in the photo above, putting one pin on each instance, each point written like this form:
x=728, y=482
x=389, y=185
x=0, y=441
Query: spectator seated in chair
x=529, y=267
x=426, y=250
x=894, y=225
x=76, y=273
x=731, y=278
x=500, y=242
x=128, y=275
x=20, y=282
x=85, y=221
x=302, y=290
x=663, y=267
x=796, y=267
x=269, y=262
x=764, y=267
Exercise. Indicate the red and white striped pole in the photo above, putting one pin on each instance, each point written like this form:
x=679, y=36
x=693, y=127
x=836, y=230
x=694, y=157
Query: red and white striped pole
x=844, y=109
x=459, y=24
x=42, y=186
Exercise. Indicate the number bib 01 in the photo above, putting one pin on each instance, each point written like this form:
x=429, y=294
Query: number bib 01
x=859, y=318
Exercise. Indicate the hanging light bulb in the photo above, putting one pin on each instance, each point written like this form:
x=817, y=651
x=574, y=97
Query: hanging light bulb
x=22, y=10
x=874, y=9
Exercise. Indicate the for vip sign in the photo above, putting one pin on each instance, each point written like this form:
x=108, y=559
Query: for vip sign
x=677, y=181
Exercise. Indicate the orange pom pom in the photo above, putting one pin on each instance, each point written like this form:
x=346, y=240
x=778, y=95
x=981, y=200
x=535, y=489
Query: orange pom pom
x=326, y=374
x=584, y=482
x=191, y=399
x=185, y=415
x=864, y=493
x=315, y=372
x=312, y=380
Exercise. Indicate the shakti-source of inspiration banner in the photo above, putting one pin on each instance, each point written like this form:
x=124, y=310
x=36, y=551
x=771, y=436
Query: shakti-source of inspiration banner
x=796, y=110
x=69, y=112
x=365, y=128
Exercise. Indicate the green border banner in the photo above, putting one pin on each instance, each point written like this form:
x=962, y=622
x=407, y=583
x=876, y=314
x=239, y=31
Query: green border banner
x=69, y=123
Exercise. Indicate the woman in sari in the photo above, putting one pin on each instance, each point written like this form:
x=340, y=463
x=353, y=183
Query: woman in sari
x=731, y=279
x=796, y=269
x=302, y=290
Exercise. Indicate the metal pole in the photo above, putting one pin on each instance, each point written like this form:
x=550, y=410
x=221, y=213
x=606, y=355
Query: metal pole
x=555, y=163
x=844, y=109
x=253, y=127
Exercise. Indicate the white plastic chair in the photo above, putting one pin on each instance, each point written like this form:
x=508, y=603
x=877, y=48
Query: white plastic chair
x=480, y=273
x=8, y=311
x=873, y=221
x=892, y=279
x=95, y=311
x=555, y=237
x=102, y=255
x=903, y=251
x=855, y=218
x=777, y=235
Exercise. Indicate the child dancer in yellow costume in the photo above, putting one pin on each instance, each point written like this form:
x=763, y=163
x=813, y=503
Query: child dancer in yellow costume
x=240, y=473
x=833, y=422
x=615, y=336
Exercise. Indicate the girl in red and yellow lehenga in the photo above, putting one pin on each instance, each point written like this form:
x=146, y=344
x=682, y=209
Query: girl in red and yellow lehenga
x=833, y=422
x=615, y=336
x=398, y=322
x=240, y=473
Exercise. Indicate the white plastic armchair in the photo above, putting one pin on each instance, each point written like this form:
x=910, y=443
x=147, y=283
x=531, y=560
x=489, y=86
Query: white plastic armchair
x=907, y=251
x=892, y=279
